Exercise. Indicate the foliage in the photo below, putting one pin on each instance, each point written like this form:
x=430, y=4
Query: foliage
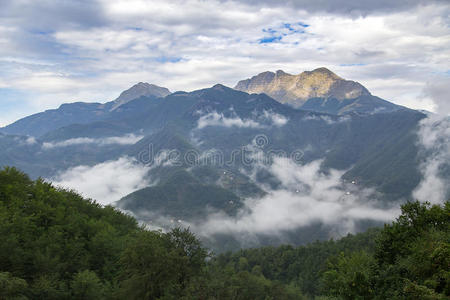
x=56, y=245
x=181, y=196
x=157, y=265
x=299, y=266
x=408, y=259
x=411, y=260
x=349, y=276
x=12, y=287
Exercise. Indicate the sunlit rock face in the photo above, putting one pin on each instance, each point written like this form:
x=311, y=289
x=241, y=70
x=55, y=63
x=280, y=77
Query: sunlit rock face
x=296, y=89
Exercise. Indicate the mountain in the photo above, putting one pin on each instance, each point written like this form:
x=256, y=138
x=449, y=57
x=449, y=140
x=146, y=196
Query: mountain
x=226, y=119
x=317, y=90
x=366, y=104
x=67, y=114
x=138, y=90
x=43, y=122
x=296, y=89
x=223, y=119
x=181, y=196
x=195, y=145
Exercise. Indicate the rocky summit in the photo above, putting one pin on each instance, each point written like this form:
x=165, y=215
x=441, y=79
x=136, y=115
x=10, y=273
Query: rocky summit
x=138, y=90
x=297, y=89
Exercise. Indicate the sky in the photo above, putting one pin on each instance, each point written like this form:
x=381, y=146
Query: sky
x=54, y=52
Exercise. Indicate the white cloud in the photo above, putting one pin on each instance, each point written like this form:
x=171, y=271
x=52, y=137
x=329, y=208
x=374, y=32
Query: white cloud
x=216, y=119
x=25, y=140
x=106, y=182
x=327, y=119
x=274, y=118
x=438, y=92
x=434, y=140
x=128, y=139
x=109, y=45
x=262, y=120
x=30, y=140
x=306, y=196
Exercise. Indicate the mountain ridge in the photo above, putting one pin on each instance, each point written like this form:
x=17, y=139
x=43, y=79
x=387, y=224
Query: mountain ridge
x=312, y=90
x=318, y=83
x=66, y=114
x=138, y=90
x=215, y=127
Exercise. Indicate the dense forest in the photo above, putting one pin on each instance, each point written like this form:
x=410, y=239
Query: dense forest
x=56, y=245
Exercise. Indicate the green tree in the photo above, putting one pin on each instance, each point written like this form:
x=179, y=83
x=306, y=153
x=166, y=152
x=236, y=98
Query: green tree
x=349, y=276
x=413, y=253
x=11, y=287
x=411, y=260
x=86, y=285
x=157, y=265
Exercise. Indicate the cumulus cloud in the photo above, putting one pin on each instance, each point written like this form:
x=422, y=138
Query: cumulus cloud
x=434, y=142
x=92, y=51
x=128, y=139
x=106, y=182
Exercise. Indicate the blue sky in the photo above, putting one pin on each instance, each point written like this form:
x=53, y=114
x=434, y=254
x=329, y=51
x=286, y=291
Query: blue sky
x=53, y=52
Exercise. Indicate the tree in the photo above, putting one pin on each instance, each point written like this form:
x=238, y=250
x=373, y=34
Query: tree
x=411, y=260
x=349, y=276
x=86, y=285
x=12, y=287
x=413, y=253
x=157, y=265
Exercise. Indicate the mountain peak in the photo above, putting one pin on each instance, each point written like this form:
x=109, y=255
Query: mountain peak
x=297, y=89
x=142, y=84
x=324, y=71
x=138, y=90
x=219, y=86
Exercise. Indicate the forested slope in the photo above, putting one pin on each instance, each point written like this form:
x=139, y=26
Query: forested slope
x=56, y=245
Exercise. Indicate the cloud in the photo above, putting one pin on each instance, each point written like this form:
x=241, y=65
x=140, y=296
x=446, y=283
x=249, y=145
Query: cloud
x=434, y=143
x=166, y=158
x=25, y=140
x=306, y=196
x=327, y=119
x=262, y=120
x=438, y=91
x=62, y=14
x=92, y=50
x=128, y=139
x=216, y=119
x=274, y=118
x=348, y=8
x=106, y=182
x=30, y=140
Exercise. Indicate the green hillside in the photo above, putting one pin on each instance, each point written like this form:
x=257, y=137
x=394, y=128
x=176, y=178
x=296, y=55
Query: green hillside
x=56, y=245
x=181, y=196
